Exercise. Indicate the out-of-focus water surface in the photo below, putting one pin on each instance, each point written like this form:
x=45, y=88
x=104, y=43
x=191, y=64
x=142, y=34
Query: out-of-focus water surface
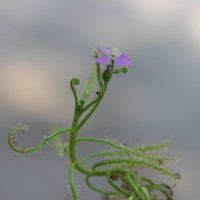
x=43, y=44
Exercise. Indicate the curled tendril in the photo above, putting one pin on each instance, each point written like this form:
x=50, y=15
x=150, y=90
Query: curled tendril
x=22, y=128
x=75, y=81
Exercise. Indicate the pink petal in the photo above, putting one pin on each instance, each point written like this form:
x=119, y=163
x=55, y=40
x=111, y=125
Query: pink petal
x=123, y=59
x=103, y=59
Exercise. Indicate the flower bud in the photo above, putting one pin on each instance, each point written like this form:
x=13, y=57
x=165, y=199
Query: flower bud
x=125, y=69
x=107, y=75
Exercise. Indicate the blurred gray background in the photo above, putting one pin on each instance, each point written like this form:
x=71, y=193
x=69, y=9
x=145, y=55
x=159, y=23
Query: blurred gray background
x=44, y=43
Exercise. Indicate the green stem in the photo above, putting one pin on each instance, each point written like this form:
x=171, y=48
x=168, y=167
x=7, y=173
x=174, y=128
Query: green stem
x=133, y=185
x=72, y=144
x=94, y=103
x=88, y=115
x=72, y=181
x=72, y=147
x=99, y=77
x=75, y=81
x=58, y=132
x=132, y=198
x=114, y=185
x=145, y=192
x=90, y=104
x=112, y=64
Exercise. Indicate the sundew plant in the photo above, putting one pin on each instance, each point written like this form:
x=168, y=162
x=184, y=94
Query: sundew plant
x=120, y=164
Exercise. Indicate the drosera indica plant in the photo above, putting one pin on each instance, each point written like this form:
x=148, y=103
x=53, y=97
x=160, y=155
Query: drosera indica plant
x=119, y=164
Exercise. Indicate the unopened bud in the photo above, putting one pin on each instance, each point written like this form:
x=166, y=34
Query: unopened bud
x=125, y=69
x=107, y=75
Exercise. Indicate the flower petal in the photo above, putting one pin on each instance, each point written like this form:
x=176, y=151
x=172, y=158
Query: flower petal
x=109, y=51
x=103, y=59
x=100, y=52
x=123, y=59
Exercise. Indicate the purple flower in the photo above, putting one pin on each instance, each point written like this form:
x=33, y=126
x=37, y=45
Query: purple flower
x=115, y=54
